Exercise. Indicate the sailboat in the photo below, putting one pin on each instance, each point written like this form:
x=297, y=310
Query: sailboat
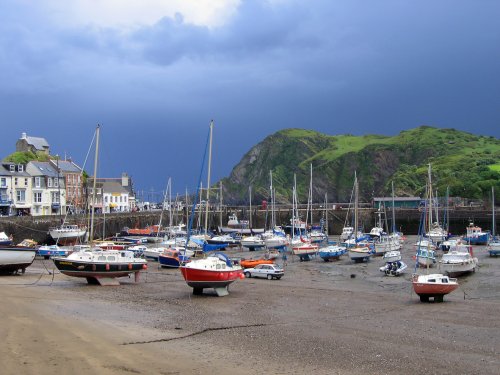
x=435, y=285
x=96, y=265
x=274, y=238
x=389, y=242
x=494, y=244
x=15, y=258
x=255, y=241
x=357, y=252
x=301, y=245
x=216, y=270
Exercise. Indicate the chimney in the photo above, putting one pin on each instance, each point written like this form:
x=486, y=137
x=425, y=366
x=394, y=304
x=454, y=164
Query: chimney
x=124, y=179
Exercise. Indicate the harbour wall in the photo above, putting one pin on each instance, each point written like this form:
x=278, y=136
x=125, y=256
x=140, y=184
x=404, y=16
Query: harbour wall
x=407, y=220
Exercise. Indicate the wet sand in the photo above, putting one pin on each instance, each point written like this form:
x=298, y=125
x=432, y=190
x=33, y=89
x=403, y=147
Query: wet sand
x=322, y=318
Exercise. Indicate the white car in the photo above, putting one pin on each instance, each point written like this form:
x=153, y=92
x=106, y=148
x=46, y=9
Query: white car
x=269, y=271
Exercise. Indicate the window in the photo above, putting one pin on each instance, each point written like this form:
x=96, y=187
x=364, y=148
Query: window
x=12, y=168
x=37, y=197
x=55, y=197
x=20, y=168
x=38, y=182
x=26, y=182
x=3, y=182
x=20, y=196
x=15, y=181
x=56, y=182
x=106, y=199
x=49, y=181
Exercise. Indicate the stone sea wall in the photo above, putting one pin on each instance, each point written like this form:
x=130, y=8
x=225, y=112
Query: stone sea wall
x=407, y=221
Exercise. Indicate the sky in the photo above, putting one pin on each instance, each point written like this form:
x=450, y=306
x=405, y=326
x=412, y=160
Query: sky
x=154, y=73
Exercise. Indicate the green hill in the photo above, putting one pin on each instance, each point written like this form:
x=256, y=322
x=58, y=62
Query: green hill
x=467, y=163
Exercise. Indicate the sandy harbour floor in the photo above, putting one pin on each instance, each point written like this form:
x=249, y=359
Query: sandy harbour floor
x=320, y=318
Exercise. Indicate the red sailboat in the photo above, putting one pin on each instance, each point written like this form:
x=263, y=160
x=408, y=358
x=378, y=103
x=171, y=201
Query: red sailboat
x=216, y=270
x=436, y=285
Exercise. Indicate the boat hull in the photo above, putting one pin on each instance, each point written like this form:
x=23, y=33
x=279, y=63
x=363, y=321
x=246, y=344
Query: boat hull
x=15, y=258
x=359, y=254
x=200, y=278
x=431, y=289
x=457, y=269
x=97, y=269
x=251, y=263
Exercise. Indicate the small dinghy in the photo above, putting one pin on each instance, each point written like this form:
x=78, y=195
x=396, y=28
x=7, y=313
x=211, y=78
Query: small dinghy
x=393, y=268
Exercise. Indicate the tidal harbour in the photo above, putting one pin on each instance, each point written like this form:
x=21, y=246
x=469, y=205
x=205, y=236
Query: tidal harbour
x=335, y=317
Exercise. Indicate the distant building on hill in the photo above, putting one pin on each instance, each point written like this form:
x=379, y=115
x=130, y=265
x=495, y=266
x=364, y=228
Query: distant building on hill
x=33, y=144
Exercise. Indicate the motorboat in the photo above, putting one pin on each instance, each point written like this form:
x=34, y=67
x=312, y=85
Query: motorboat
x=101, y=266
x=250, y=263
x=394, y=268
x=456, y=263
x=172, y=258
x=434, y=286
x=47, y=251
x=392, y=256
x=476, y=236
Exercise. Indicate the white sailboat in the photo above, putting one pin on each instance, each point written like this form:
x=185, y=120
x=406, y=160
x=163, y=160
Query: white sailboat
x=301, y=245
x=96, y=265
x=358, y=252
x=427, y=285
x=274, y=238
x=494, y=244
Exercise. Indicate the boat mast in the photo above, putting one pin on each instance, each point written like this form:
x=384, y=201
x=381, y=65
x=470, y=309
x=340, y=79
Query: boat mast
x=272, y=200
x=356, y=187
x=220, y=204
x=208, y=175
x=250, y=204
x=309, y=197
x=326, y=215
x=393, y=212
x=493, y=212
x=94, y=184
x=429, y=191
x=294, y=204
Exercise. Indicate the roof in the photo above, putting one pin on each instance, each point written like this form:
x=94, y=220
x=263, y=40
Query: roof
x=44, y=168
x=113, y=187
x=67, y=166
x=397, y=199
x=37, y=142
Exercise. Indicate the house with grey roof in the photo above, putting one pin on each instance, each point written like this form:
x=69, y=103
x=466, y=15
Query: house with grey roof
x=6, y=193
x=16, y=189
x=34, y=144
x=48, y=189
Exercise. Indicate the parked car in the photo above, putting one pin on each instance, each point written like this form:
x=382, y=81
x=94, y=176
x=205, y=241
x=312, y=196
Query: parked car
x=269, y=271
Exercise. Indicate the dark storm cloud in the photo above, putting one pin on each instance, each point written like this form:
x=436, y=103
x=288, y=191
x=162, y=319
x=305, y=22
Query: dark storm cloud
x=337, y=67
